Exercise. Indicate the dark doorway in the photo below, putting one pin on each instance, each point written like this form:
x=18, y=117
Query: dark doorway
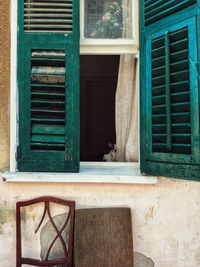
x=97, y=100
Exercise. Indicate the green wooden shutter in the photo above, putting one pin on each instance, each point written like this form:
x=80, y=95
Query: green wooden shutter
x=157, y=9
x=170, y=136
x=48, y=85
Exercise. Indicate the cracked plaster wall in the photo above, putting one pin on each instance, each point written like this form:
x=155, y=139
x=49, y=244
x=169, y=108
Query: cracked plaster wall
x=165, y=216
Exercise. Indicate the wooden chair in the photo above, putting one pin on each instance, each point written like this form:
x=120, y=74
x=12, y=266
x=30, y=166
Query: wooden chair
x=67, y=260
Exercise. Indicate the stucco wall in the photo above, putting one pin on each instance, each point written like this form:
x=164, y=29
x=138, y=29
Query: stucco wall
x=4, y=82
x=165, y=216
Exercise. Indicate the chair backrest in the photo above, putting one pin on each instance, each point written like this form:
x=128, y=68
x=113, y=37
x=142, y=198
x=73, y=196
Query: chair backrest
x=67, y=260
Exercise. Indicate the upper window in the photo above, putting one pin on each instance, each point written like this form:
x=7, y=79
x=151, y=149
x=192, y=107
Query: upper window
x=48, y=80
x=108, y=27
x=108, y=19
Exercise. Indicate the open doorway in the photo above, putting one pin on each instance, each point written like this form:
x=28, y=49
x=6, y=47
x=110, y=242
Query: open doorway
x=99, y=75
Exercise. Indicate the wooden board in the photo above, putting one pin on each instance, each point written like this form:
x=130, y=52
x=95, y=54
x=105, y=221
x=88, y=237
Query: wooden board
x=103, y=238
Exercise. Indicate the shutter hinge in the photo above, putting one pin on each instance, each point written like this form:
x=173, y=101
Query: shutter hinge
x=66, y=156
x=18, y=153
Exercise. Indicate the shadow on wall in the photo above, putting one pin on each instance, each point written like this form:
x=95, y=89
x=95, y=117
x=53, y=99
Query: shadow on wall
x=140, y=260
x=47, y=233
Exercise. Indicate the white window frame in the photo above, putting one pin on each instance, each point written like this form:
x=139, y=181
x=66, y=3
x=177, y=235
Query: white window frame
x=13, y=88
x=87, y=46
x=110, y=46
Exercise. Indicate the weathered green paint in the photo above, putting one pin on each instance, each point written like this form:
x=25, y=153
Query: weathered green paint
x=36, y=160
x=169, y=164
x=168, y=97
x=156, y=11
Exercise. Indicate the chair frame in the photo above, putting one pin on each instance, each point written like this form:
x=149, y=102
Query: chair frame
x=68, y=259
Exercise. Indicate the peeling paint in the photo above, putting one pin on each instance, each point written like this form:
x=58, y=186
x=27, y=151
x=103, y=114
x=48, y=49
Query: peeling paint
x=7, y=215
x=174, y=244
x=150, y=213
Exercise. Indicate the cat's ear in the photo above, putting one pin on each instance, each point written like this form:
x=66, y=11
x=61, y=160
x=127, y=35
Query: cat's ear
x=110, y=145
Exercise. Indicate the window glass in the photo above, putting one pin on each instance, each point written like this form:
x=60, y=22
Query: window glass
x=108, y=19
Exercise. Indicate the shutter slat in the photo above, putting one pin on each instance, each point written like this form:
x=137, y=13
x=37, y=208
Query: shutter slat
x=177, y=148
x=158, y=90
x=42, y=138
x=35, y=15
x=49, y=26
x=50, y=129
x=48, y=70
x=48, y=120
x=40, y=111
x=48, y=16
x=48, y=95
x=46, y=4
x=180, y=97
x=182, y=128
x=180, y=65
x=180, y=86
x=156, y=10
x=48, y=147
x=180, y=55
x=48, y=79
x=47, y=21
x=41, y=85
x=48, y=100
x=49, y=31
x=159, y=128
x=171, y=118
x=51, y=1
x=154, y=4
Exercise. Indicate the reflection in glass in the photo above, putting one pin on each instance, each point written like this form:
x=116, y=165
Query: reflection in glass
x=108, y=19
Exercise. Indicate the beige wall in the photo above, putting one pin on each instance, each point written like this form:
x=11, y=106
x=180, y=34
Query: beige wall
x=4, y=82
x=166, y=217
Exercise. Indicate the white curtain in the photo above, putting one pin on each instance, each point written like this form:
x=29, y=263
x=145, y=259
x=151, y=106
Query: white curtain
x=127, y=123
x=126, y=102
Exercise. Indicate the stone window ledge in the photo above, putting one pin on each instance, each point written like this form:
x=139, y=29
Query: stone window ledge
x=90, y=172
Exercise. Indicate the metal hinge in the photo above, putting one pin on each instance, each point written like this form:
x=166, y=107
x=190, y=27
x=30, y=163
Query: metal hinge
x=66, y=156
x=18, y=153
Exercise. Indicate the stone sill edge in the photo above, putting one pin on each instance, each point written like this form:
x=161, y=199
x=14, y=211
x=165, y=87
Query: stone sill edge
x=15, y=177
x=90, y=173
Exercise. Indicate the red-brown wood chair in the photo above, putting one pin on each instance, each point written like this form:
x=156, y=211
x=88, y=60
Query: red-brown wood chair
x=67, y=248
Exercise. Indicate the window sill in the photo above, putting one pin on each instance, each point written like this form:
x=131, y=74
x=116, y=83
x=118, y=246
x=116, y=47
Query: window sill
x=101, y=48
x=90, y=172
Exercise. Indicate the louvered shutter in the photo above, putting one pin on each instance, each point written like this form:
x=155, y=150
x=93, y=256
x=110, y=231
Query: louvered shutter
x=170, y=136
x=157, y=9
x=48, y=85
